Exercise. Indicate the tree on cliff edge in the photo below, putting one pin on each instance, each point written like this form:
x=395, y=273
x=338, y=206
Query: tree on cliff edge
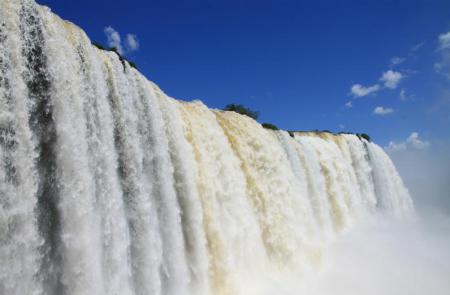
x=240, y=109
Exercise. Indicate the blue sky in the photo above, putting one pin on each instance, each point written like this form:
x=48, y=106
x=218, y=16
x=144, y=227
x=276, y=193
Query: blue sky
x=299, y=63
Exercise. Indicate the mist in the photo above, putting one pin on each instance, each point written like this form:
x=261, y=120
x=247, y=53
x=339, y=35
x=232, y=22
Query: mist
x=386, y=256
x=426, y=173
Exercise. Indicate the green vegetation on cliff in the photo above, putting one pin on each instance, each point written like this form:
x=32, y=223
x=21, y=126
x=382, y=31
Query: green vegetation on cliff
x=270, y=126
x=240, y=109
x=114, y=49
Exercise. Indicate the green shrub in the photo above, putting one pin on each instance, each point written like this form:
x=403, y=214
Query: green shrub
x=240, y=109
x=121, y=58
x=114, y=49
x=270, y=126
x=363, y=135
x=132, y=64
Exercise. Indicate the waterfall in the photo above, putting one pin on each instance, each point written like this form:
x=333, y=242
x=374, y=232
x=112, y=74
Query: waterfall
x=108, y=186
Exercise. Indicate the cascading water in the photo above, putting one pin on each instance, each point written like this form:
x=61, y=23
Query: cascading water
x=108, y=186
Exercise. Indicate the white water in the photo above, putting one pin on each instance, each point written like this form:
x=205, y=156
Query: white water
x=108, y=186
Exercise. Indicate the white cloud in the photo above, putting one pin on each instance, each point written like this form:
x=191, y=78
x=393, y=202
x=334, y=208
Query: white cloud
x=382, y=111
x=132, y=42
x=403, y=95
x=394, y=147
x=349, y=104
x=413, y=142
x=438, y=66
x=397, y=60
x=443, y=65
x=391, y=79
x=444, y=41
x=417, y=46
x=114, y=39
x=359, y=91
x=342, y=126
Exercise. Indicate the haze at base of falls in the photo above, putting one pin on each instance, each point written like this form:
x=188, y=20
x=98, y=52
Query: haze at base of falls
x=384, y=256
x=108, y=186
